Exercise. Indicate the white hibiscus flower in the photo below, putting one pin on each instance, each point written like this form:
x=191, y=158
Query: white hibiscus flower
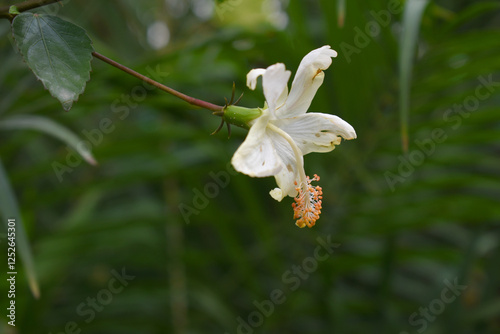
x=284, y=132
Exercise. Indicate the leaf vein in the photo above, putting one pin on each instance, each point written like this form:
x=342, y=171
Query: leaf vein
x=45, y=45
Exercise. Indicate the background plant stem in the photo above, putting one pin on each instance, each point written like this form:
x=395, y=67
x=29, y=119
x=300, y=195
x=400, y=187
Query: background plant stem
x=24, y=6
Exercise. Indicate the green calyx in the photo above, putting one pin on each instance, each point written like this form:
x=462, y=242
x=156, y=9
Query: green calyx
x=240, y=116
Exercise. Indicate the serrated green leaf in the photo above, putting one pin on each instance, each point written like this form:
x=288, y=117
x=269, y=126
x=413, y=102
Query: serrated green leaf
x=57, y=51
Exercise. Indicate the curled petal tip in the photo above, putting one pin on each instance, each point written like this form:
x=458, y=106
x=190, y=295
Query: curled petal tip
x=330, y=52
x=277, y=194
x=352, y=135
x=252, y=77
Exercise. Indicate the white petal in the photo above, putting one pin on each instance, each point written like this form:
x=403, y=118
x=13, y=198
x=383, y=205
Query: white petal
x=252, y=77
x=282, y=98
x=308, y=79
x=288, y=174
x=274, y=82
x=286, y=182
x=257, y=156
x=316, y=132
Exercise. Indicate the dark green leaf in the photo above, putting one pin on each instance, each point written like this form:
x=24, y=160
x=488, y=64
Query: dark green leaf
x=57, y=51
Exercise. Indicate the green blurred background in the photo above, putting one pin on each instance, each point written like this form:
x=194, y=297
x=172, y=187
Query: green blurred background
x=416, y=234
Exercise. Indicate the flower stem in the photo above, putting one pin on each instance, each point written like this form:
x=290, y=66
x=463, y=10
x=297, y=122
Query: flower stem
x=188, y=99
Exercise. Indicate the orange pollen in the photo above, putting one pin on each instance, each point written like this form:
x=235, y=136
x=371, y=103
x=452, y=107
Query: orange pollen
x=307, y=206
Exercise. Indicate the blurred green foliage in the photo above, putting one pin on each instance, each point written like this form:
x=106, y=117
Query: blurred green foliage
x=402, y=242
